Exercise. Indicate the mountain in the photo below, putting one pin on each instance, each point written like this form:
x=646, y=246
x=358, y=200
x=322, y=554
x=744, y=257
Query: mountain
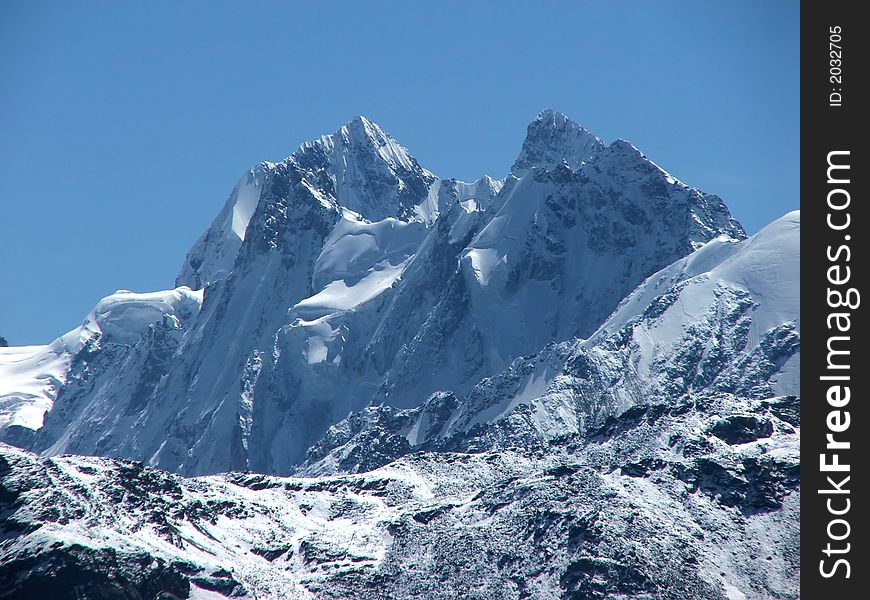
x=657, y=459
x=347, y=274
x=371, y=382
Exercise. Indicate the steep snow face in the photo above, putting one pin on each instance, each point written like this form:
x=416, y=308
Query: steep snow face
x=566, y=246
x=724, y=320
x=29, y=380
x=212, y=256
x=552, y=140
x=756, y=283
x=356, y=246
x=330, y=357
x=32, y=377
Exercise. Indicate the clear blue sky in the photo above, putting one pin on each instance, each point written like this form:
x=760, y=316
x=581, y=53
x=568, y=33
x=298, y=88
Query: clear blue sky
x=124, y=126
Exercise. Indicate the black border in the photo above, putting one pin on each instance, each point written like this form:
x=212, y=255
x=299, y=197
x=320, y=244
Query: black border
x=826, y=128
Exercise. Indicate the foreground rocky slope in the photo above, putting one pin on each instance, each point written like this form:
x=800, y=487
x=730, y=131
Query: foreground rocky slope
x=688, y=501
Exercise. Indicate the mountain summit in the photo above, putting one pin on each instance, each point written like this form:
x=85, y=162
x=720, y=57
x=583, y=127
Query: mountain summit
x=359, y=168
x=553, y=139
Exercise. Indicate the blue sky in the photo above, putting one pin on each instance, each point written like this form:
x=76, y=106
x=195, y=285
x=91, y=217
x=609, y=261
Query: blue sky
x=124, y=126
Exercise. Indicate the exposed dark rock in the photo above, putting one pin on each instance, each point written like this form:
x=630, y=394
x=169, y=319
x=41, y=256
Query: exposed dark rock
x=740, y=429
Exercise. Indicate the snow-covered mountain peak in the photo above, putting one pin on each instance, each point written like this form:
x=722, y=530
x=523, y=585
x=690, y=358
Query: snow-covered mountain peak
x=364, y=125
x=360, y=129
x=363, y=135
x=368, y=172
x=553, y=139
x=489, y=185
x=358, y=169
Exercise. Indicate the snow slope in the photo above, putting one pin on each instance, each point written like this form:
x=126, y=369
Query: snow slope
x=29, y=378
x=213, y=255
x=32, y=376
